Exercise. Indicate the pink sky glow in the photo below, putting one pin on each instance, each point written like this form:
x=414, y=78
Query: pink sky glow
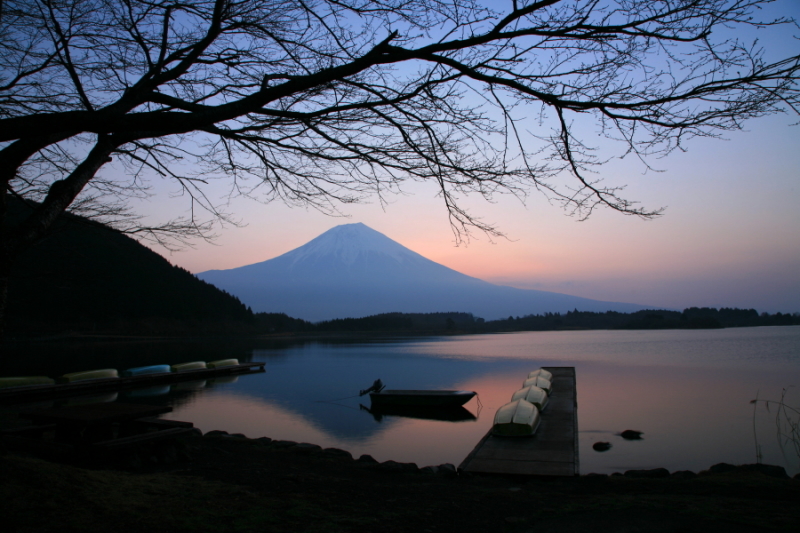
x=729, y=237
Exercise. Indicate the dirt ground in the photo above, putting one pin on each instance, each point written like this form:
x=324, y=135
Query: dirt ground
x=225, y=483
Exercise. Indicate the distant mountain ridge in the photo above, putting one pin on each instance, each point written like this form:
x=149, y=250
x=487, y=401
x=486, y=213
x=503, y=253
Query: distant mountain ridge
x=352, y=270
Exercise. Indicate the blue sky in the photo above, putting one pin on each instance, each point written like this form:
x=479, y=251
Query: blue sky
x=729, y=237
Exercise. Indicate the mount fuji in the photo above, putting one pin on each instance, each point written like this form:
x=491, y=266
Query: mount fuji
x=354, y=271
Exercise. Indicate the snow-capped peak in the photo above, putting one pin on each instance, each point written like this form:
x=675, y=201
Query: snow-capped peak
x=346, y=242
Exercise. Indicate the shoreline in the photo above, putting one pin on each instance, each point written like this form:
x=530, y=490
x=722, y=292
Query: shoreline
x=76, y=338
x=222, y=482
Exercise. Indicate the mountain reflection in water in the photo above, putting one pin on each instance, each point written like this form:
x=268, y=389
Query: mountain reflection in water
x=687, y=391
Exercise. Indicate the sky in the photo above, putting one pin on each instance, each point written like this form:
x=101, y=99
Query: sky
x=729, y=236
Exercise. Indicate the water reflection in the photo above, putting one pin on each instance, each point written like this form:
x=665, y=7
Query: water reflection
x=159, y=390
x=687, y=391
x=443, y=414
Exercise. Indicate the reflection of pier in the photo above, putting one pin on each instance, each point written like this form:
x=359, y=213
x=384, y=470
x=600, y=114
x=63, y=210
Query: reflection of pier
x=552, y=451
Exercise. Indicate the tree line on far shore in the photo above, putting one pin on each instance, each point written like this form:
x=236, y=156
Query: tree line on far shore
x=455, y=322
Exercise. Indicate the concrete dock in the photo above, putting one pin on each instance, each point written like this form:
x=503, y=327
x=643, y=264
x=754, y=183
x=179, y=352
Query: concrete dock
x=552, y=451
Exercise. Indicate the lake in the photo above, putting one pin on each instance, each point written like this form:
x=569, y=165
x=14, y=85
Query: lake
x=689, y=391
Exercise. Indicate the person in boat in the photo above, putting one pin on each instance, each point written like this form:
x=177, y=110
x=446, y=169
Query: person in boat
x=377, y=386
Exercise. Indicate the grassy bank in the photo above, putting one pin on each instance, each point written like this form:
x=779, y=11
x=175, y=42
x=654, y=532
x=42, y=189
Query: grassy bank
x=231, y=484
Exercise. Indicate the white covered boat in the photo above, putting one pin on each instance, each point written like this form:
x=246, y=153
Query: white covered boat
x=221, y=363
x=194, y=365
x=104, y=373
x=519, y=418
x=24, y=381
x=540, y=382
x=535, y=395
x=541, y=373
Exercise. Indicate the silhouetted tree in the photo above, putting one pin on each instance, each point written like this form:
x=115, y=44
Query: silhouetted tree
x=322, y=102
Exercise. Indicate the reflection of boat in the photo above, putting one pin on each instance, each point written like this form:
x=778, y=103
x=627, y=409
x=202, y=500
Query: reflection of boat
x=222, y=380
x=445, y=414
x=94, y=398
x=419, y=398
x=158, y=390
x=190, y=385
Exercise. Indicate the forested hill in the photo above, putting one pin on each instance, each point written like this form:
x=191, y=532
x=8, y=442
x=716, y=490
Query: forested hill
x=88, y=278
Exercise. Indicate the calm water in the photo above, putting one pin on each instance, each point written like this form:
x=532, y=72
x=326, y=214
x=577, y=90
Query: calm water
x=688, y=391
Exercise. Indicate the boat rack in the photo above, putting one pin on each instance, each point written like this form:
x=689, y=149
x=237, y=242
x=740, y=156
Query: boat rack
x=35, y=392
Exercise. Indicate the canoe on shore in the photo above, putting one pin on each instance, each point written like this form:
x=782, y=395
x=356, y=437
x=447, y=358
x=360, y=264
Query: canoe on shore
x=95, y=381
x=22, y=381
x=144, y=370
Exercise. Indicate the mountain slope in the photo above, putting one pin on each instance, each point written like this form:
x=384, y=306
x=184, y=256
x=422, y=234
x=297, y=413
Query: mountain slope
x=85, y=276
x=353, y=271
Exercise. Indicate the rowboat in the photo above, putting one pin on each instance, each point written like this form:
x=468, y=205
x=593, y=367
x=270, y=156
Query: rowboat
x=519, y=418
x=541, y=372
x=537, y=396
x=540, y=382
x=419, y=398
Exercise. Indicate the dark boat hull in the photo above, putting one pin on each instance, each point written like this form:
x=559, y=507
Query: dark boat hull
x=421, y=398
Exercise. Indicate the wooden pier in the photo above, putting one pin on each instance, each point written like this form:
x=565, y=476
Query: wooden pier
x=552, y=451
